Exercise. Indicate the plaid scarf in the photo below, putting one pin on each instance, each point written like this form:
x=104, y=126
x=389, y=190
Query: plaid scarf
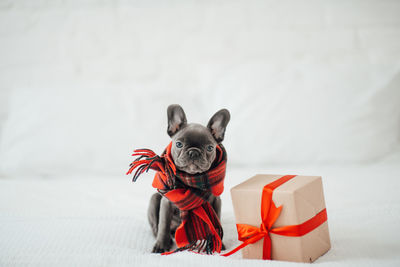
x=200, y=228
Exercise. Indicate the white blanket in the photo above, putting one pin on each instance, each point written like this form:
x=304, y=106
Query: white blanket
x=101, y=221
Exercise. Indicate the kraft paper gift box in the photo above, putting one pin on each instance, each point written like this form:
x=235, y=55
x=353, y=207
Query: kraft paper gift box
x=303, y=210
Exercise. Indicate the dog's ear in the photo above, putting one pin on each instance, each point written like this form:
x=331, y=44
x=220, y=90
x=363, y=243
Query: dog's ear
x=176, y=119
x=218, y=123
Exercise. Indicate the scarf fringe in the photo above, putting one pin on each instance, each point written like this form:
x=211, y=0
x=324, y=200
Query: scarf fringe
x=144, y=161
x=208, y=245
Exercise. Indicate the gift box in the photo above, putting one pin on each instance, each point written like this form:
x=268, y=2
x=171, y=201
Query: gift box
x=281, y=217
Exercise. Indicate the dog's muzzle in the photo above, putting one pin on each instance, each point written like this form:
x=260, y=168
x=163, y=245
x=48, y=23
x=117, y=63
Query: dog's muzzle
x=194, y=153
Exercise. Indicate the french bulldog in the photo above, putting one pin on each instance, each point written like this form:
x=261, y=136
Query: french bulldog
x=193, y=151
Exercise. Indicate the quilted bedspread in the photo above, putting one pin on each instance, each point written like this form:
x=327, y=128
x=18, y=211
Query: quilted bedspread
x=84, y=220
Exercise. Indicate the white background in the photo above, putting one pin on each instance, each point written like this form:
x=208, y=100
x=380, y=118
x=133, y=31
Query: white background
x=83, y=83
x=313, y=87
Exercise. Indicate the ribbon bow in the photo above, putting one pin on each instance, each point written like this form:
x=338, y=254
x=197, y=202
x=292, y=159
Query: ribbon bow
x=249, y=234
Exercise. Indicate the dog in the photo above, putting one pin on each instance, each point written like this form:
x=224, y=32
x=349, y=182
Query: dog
x=193, y=151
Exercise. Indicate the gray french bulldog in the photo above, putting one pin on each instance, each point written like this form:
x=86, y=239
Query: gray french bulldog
x=193, y=151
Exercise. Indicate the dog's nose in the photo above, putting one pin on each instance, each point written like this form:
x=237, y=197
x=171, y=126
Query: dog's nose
x=193, y=153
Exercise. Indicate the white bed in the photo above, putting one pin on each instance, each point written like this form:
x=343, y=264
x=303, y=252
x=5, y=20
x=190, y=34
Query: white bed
x=101, y=221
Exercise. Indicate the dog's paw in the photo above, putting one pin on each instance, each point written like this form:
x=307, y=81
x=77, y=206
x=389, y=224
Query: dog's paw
x=160, y=248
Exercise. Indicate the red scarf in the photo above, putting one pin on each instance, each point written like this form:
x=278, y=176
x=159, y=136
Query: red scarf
x=200, y=228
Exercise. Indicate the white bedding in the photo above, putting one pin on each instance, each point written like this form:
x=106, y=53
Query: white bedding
x=101, y=221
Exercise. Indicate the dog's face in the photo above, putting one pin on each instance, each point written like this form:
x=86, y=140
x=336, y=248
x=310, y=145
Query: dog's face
x=193, y=145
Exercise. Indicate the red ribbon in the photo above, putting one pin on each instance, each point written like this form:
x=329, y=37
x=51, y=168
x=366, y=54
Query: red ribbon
x=249, y=234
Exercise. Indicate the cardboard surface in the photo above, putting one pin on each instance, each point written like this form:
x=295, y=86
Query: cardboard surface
x=302, y=198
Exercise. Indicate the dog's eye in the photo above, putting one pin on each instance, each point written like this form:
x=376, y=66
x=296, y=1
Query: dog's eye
x=210, y=148
x=179, y=144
